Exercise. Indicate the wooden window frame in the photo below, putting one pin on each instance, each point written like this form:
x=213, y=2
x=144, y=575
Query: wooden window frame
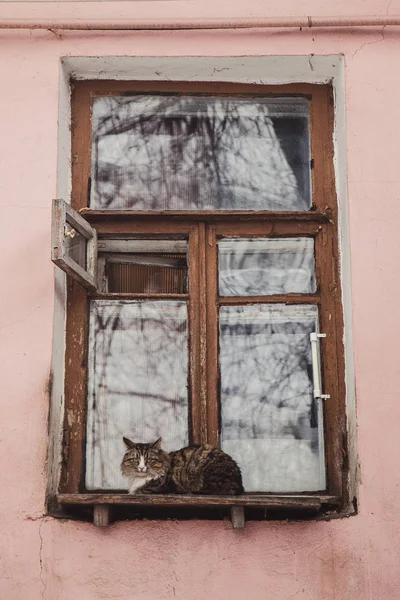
x=202, y=229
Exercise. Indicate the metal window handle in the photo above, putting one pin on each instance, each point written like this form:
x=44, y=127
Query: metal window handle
x=316, y=364
x=69, y=231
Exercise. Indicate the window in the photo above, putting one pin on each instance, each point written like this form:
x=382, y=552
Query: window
x=204, y=300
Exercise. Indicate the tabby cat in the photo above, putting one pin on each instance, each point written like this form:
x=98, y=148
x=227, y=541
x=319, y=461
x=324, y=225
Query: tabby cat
x=195, y=469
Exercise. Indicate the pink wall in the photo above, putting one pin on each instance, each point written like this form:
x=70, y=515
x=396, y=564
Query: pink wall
x=42, y=558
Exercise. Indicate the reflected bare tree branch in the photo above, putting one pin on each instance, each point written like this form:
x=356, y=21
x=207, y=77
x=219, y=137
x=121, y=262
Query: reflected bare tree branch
x=193, y=152
x=264, y=266
x=137, y=382
x=267, y=406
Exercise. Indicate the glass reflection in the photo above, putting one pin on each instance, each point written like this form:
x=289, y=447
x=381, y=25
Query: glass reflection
x=138, y=357
x=263, y=266
x=170, y=152
x=271, y=423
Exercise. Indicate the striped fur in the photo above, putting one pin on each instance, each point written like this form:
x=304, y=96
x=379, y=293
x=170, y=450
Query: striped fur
x=194, y=470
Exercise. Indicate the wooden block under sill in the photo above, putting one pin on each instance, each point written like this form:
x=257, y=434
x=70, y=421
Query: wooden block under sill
x=237, y=517
x=101, y=515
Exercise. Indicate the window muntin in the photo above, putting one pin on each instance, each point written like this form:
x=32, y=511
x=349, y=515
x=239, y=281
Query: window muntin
x=169, y=152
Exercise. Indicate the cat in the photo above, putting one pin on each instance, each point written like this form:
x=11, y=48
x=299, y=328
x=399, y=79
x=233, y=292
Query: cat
x=146, y=466
x=192, y=470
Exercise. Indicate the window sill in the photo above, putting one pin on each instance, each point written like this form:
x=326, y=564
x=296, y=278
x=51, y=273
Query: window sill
x=101, y=503
x=93, y=215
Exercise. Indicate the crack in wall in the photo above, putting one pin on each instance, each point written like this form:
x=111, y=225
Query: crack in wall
x=20, y=320
x=370, y=43
x=41, y=561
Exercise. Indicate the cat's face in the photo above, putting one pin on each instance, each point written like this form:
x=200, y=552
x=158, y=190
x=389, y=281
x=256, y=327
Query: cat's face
x=144, y=460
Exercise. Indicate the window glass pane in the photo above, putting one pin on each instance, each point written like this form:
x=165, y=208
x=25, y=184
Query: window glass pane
x=263, y=266
x=271, y=423
x=147, y=274
x=76, y=246
x=138, y=371
x=166, y=152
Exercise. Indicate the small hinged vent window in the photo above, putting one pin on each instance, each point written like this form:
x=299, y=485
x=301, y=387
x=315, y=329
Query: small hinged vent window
x=74, y=244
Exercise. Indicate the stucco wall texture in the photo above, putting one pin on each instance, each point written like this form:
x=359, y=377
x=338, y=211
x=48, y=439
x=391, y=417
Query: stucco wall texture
x=46, y=559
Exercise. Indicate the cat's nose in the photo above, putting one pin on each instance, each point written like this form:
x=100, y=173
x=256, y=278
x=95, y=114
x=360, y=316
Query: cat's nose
x=142, y=469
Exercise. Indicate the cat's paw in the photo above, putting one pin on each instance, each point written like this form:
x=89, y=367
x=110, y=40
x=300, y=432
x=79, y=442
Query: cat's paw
x=136, y=486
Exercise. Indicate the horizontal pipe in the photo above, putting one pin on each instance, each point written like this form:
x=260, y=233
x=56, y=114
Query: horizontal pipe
x=185, y=24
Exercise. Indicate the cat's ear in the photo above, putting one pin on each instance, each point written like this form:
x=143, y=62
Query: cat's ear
x=157, y=444
x=128, y=442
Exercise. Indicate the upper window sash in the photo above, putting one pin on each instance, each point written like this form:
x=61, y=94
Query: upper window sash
x=170, y=152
